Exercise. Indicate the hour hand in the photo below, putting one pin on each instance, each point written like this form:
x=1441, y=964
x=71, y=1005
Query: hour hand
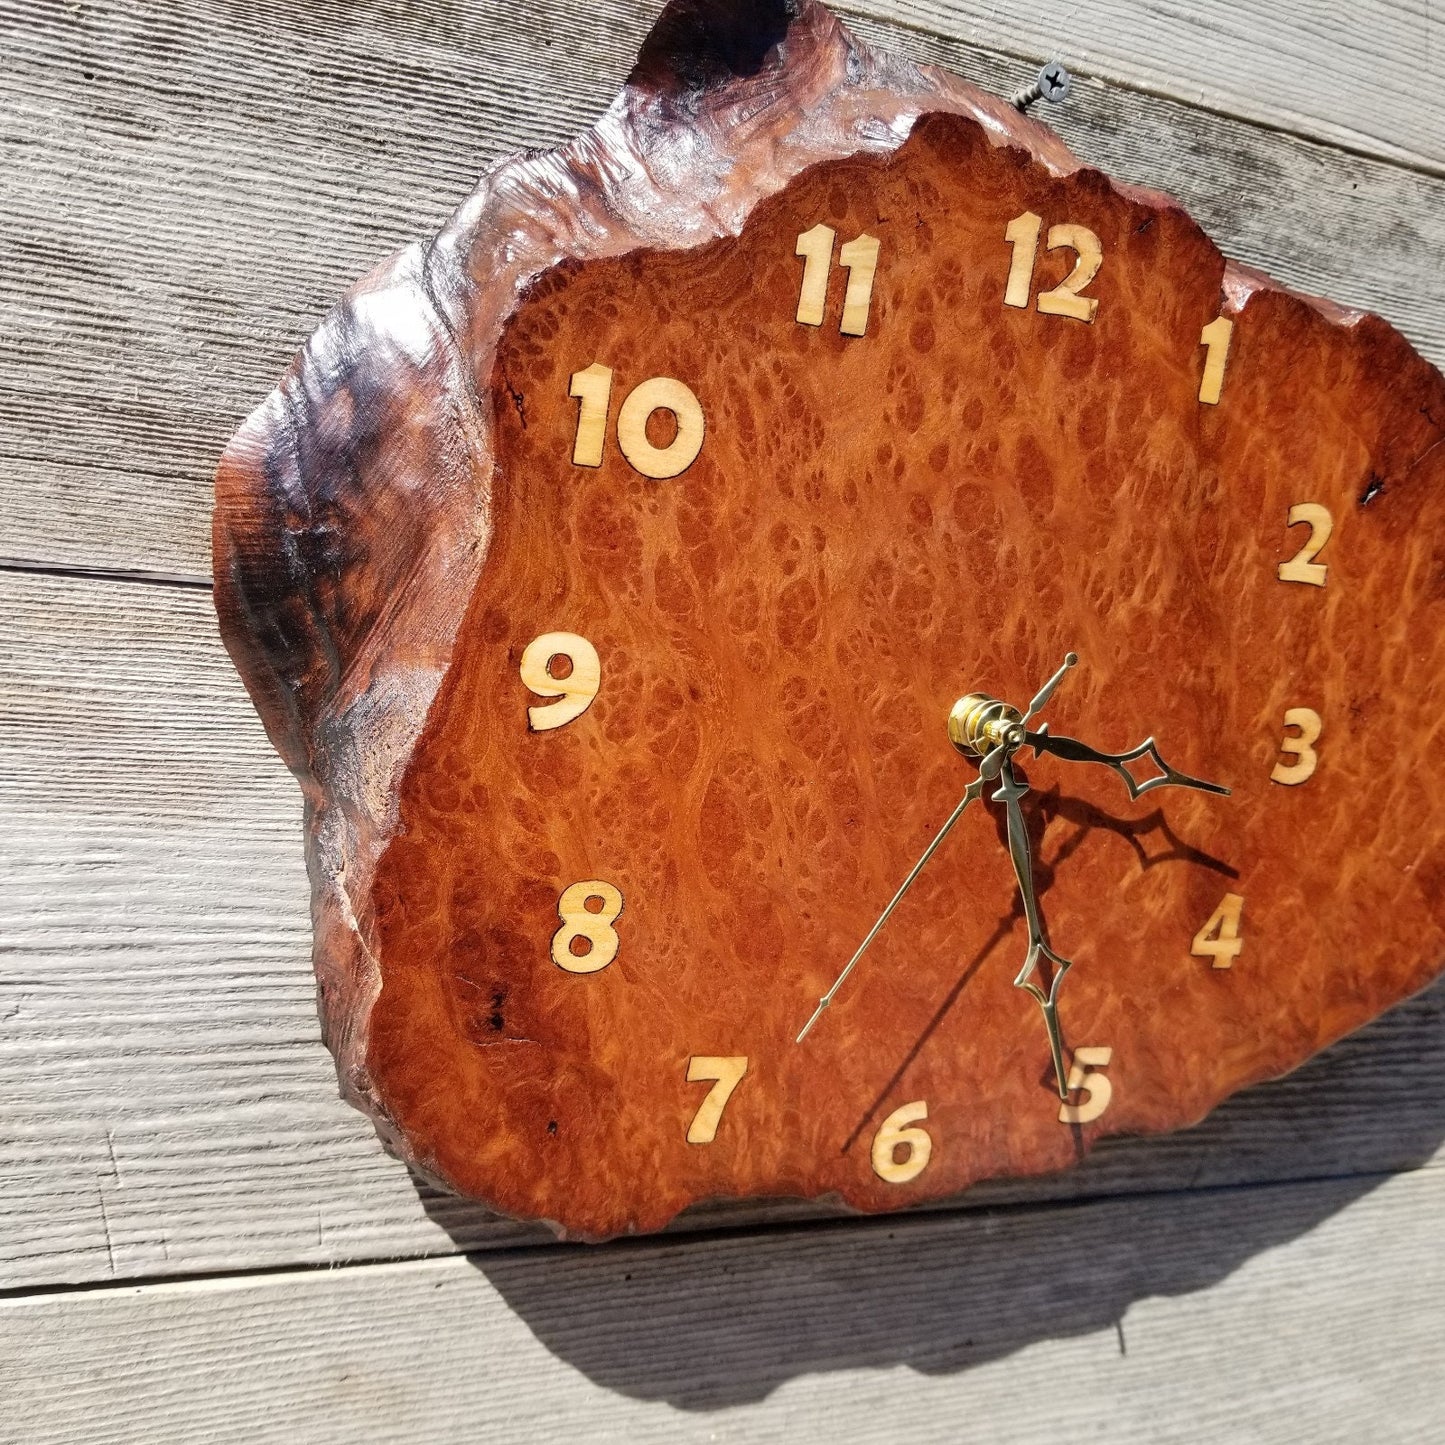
x=1043, y=741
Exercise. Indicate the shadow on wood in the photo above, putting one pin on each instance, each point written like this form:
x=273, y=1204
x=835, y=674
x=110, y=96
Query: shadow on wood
x=722, y=1319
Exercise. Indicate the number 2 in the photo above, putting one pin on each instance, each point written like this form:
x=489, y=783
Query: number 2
x=1302, y=567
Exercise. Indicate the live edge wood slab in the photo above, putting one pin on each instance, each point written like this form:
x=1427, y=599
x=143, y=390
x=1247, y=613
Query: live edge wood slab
x=902, y=484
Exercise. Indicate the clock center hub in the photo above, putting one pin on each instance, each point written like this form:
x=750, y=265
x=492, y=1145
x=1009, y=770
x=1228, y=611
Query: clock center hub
x=978, y=724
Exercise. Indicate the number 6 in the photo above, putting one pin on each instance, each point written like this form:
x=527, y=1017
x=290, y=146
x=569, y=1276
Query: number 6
x=893, y=1135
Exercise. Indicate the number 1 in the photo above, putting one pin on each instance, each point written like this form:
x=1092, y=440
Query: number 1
x=1216, y=337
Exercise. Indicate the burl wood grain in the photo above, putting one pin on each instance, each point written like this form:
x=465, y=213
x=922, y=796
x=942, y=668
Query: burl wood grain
x=875, y=525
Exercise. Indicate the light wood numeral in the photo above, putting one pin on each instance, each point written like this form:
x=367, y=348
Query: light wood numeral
x=1216, y=337
x=1023, y=235
x=662, y=393
x=593, y=388
x=1098, y=1091
x=894, y=1134
x=728, y=1073
x=816, y=246
x=1302, y=567
x=1219, y=938
x=1067, y=298
x=572, y=694
x=1307, y=720
x=859, y=257
x=592, y=926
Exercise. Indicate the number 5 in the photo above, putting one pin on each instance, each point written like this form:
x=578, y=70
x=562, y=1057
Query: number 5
x=1098, y=1091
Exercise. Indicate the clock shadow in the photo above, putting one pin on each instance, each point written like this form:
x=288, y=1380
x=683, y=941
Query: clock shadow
x=1154, y=843
x=737, y=1299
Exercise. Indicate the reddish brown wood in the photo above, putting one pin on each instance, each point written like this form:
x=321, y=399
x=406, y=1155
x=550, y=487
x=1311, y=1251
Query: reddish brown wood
x=874, y=527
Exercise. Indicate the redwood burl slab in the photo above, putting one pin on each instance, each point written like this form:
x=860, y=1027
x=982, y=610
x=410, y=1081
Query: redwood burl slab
x=874, y=526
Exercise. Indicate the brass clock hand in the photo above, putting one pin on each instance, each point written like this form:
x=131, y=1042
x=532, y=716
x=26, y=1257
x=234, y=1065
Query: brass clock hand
x=1043, y=695
x=1074, y=751
x=1010, y=790
x=988, y=769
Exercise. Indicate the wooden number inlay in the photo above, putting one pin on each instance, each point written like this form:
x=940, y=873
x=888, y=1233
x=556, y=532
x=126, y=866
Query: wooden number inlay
x=895, y=1135
x=859, y=257
x=589, y=926
x=1302, y=567
x=728, y=1073
x=816, y=246
x=1098, y=1091
x=593, y=388
x=1067, y=298
x=1302, y=748
x=1216, y=337
x=1023, y=235
x=662, y=393
x=572, y=694
x=1219, y=938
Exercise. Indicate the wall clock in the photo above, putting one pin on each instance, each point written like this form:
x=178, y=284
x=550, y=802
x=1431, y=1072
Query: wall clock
x=810, y=473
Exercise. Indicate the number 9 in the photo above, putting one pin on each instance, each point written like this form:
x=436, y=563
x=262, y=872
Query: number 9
x=572, y=695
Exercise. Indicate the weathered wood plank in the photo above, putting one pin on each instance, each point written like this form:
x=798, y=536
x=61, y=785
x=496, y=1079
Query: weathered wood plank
x=1354, y=75
x=1303, y=1312
x=184, y=189
x=169, y=1107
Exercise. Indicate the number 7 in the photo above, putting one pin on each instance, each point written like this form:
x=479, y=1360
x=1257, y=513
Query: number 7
x=728, y=1073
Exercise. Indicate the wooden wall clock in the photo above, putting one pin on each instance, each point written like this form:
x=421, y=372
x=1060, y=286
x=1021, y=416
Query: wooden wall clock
x=641, y=573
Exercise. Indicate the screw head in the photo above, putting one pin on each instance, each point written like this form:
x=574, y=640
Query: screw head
x=1055, y=82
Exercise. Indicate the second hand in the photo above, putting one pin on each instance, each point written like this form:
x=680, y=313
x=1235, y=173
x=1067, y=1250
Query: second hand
x=972, y=792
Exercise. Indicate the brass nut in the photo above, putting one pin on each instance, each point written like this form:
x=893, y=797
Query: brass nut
x=977, y=724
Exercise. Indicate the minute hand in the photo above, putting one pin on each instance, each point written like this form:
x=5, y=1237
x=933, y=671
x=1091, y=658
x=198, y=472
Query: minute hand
x=1074, y=751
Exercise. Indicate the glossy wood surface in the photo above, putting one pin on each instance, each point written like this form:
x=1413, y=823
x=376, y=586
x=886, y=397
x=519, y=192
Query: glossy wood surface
x=875, y=525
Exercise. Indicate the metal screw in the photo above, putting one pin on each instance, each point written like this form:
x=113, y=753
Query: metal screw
x=1053, y=85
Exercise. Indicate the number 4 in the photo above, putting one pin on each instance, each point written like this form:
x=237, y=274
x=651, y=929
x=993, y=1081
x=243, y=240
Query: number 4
x=1219, y=938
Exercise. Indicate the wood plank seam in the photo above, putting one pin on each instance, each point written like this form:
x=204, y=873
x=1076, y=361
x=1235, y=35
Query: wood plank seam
x=853, y=1225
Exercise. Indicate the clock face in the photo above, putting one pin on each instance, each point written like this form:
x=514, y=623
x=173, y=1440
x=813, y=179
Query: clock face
x=762, y=513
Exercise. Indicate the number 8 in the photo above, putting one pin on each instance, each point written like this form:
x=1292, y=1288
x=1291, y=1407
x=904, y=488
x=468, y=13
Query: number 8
x=579, y=921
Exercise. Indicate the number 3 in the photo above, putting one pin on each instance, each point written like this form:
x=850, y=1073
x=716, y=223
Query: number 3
x=1310, y=726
